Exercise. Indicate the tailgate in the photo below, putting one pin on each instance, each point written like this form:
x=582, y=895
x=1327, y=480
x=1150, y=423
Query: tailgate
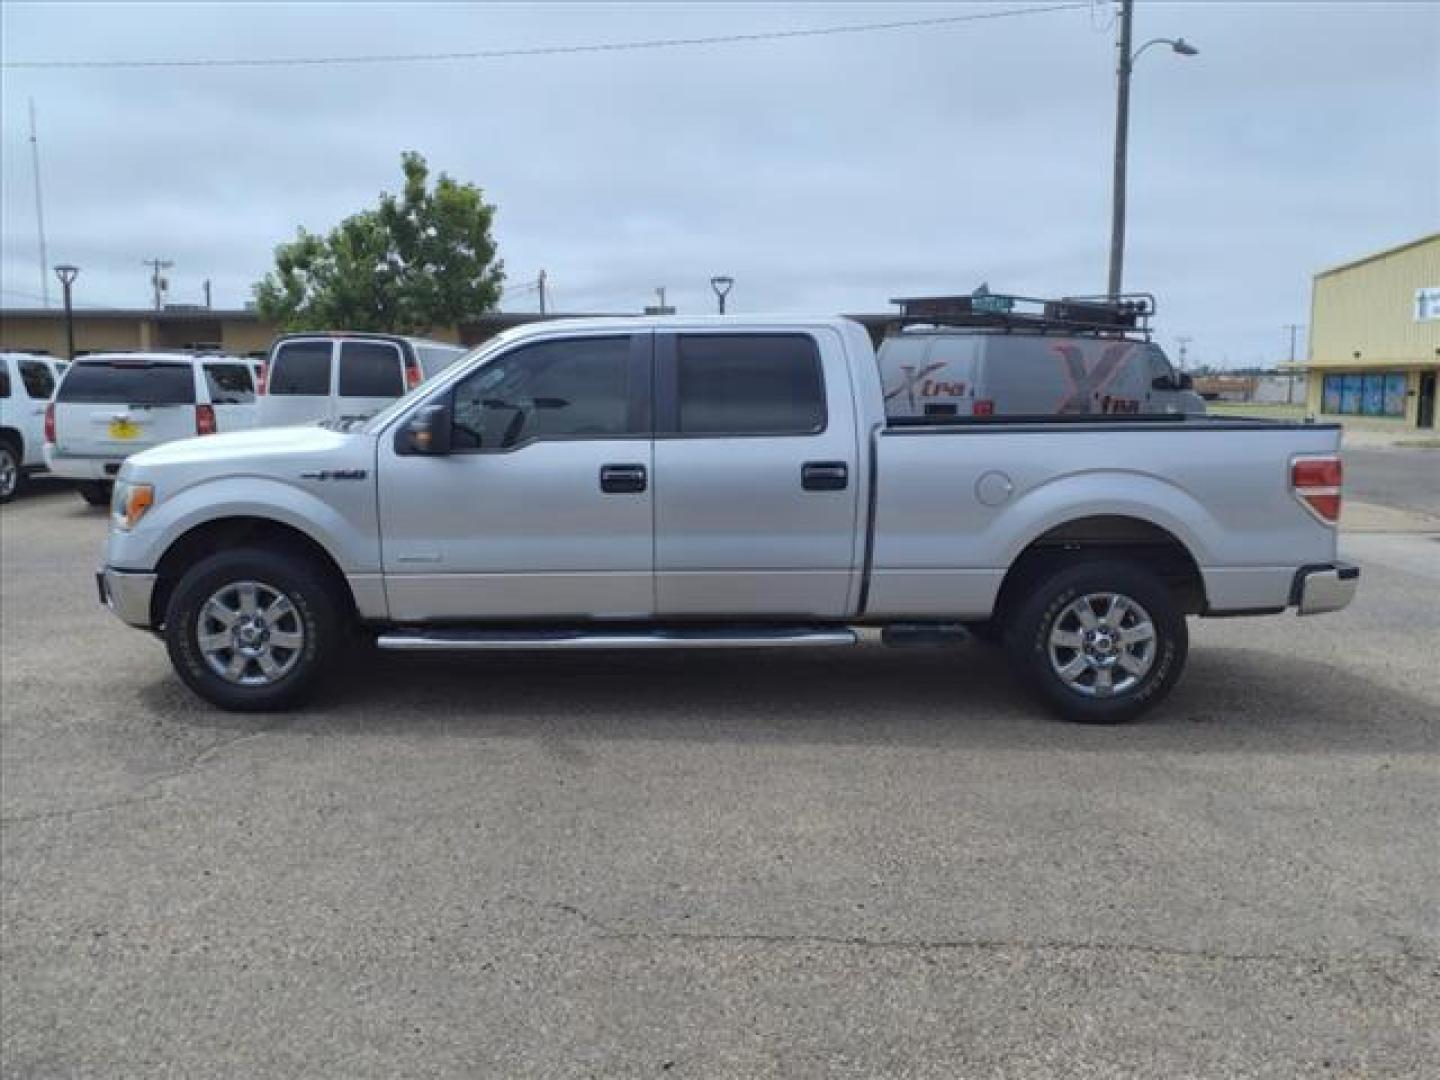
x=112, y=408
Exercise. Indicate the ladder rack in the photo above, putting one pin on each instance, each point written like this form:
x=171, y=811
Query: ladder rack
x=1118, y=316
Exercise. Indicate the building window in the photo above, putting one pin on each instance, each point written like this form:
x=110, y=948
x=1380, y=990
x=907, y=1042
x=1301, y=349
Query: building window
x=1379, y=394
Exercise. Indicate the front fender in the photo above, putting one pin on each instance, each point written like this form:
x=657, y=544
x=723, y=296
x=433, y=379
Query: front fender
x=342, y=522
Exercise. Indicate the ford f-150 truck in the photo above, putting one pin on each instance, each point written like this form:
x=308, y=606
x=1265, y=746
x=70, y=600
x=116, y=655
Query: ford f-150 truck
x=716, y=483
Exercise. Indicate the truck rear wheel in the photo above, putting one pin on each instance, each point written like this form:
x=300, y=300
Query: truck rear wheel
x=1098, y=642
x=252, y=630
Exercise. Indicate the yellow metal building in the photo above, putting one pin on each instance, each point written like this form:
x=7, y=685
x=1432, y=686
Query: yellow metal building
x=1374, y=354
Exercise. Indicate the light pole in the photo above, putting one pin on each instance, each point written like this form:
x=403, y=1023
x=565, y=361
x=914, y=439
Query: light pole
x=67, y=275
x=722, y=285
x=1122, y=133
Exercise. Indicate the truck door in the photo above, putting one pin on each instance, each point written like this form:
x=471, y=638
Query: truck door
x=756, y=459
x=543, y=509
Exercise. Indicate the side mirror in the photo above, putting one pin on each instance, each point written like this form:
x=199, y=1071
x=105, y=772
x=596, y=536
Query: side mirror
x=1184, y=381
x=426, y=432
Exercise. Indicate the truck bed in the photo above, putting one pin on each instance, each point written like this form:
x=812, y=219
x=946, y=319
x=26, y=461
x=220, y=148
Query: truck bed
x=956, y=503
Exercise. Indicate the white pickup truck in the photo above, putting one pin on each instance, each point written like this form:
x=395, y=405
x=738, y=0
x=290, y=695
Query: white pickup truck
x=716, y=483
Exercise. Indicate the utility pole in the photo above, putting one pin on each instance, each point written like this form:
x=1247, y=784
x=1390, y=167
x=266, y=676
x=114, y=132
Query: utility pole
x=1180, y=47
x=541, y=285
x=39, y=209
x=1122, y=135
x=67, y=275
x=1294, y=329
x=158, y=282
x=207, y=293
x=1184, y=343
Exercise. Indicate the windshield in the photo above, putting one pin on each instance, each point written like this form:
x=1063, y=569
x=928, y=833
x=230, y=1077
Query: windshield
x=377, y=422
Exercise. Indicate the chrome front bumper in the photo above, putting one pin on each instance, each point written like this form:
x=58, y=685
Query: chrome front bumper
x=127, y=594
x=1319, y=589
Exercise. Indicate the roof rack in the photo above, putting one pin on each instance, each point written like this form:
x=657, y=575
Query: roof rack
x=1128, y=313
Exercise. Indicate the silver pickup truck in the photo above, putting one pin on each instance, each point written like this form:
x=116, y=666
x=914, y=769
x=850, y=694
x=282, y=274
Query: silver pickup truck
x=716, y=483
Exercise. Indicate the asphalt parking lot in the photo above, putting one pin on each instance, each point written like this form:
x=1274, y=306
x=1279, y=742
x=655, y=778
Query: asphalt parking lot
x=864, y=862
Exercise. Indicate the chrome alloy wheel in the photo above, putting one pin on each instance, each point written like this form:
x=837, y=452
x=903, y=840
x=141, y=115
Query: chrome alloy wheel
x=250, y=633
x=1102, y=644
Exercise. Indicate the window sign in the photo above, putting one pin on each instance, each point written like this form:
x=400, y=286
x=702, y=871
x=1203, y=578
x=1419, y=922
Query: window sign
x=1395, y=394
x=1331, y=402
x=1372, y=395
x=1380, y=394
x=1350, y=386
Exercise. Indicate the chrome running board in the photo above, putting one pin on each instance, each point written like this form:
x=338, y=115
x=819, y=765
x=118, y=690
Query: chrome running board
x=500, y=640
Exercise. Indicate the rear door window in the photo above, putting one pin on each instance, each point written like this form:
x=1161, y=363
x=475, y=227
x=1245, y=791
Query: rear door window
x=230, y=384
x=4, y=380
x=301, y=368
x=39, y=383
x=749, y=384
x=370, y=369
x=129, y=382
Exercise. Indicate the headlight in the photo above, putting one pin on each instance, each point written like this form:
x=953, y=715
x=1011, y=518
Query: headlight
x=129, y=503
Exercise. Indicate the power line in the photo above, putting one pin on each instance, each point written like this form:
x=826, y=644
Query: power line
x=542, y=50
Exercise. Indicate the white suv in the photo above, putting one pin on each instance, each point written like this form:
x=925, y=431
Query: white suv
x=26, y=383
x=111, y=405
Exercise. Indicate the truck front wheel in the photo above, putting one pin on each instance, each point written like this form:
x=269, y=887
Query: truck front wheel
x=252, y=630
x=1098, y=642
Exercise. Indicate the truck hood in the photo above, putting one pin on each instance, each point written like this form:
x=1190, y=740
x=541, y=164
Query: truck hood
x=240, y=449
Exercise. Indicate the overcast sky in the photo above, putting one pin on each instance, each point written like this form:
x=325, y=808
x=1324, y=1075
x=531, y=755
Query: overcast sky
x=824, y=173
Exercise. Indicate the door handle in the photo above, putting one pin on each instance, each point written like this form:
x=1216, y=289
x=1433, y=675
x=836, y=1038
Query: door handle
x=622, y=479
x=825, y=476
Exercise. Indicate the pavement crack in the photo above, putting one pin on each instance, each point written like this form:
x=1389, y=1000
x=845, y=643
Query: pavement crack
x=608, y=932
x=143, y=793
x=65, y=814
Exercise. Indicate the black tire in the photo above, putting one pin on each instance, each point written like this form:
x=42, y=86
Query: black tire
x=95, y=492
x=1034, y=654
x=12, y=470
x=315, y=609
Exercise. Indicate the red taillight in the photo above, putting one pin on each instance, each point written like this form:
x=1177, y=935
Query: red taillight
x=984, y=407
x=413, y=375
x=204, y=420
x=260, y=376
x=1317, y=482
x=50, y=422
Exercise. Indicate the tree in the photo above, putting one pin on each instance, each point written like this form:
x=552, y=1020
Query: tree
x=420, y=260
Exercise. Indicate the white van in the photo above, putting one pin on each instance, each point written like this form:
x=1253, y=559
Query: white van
x=1071, y=359
x=111, y=405
x=332, y=376
x=26, y=383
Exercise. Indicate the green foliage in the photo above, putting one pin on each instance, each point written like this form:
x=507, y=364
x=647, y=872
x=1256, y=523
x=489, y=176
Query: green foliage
x=419, y=261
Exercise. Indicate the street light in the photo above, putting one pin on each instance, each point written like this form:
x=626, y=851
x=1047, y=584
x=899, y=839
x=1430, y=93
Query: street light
x=722, y=286
x=1180, y=47
x=67, y=275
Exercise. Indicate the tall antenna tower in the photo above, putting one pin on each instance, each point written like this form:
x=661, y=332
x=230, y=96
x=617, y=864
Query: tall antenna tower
x=39, y=210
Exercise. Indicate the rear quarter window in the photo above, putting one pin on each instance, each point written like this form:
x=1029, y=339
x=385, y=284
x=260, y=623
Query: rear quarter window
x=301, y=368
x=127, y=383
x=39, y=383
x=229, y=384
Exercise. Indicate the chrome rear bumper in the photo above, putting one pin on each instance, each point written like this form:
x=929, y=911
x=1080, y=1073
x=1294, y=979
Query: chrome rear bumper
x=1319, y=589
x=127, y=594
